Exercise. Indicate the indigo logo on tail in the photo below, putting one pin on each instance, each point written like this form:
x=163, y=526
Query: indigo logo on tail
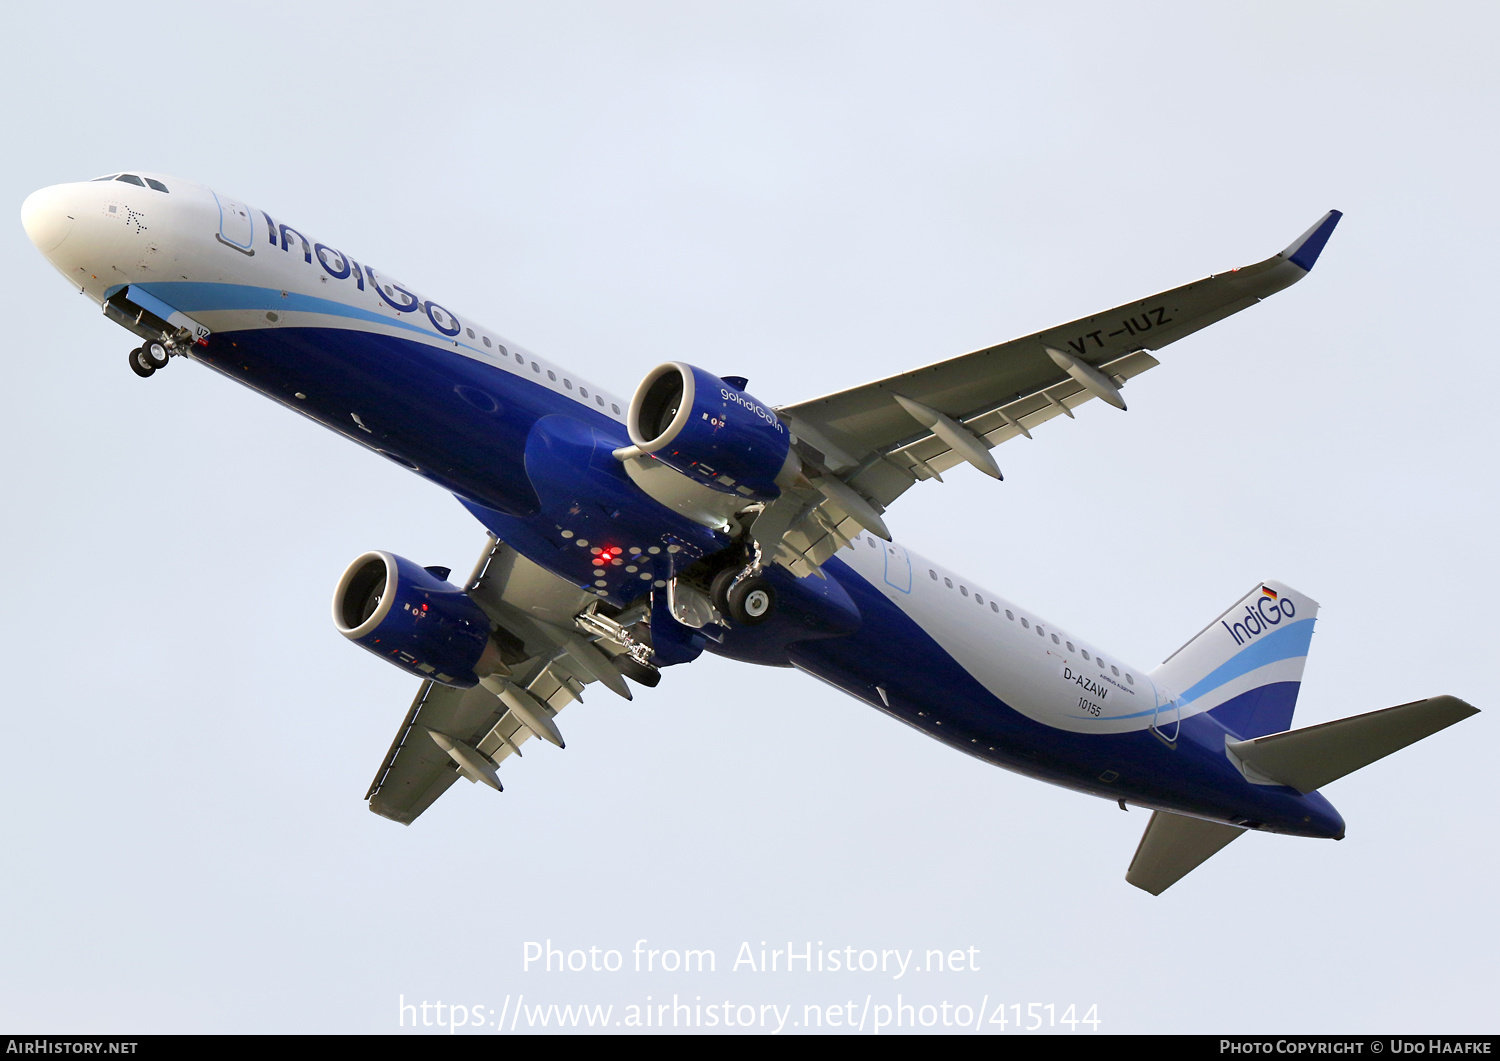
x=1265, y=612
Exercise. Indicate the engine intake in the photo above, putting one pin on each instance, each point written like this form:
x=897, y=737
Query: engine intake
x=408, y=616
x=714, y=433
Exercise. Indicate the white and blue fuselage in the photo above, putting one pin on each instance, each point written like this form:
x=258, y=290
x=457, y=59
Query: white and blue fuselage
x=526, y=446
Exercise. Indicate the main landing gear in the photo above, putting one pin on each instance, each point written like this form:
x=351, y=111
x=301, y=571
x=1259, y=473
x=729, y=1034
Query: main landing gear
x=148, y=357
x=743, y=595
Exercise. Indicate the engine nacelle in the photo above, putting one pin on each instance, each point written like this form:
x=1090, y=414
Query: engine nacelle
x=408, y=616
x=713, y=433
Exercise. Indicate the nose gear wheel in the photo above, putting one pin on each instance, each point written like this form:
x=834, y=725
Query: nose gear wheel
x=154, y=354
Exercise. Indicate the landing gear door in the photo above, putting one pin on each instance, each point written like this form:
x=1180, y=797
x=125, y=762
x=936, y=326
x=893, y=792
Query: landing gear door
x=236, y=225
x=897, y=567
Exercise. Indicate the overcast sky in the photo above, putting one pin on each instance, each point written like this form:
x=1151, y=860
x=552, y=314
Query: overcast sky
x=810, y=195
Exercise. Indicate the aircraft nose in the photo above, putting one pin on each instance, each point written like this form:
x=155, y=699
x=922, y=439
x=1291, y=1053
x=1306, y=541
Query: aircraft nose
x=48, y=217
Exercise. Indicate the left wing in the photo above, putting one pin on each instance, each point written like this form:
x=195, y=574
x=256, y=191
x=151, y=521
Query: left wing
x=555, y=643
x=879, y=439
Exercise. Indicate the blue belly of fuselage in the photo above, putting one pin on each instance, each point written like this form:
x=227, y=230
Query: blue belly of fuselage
x=527, y=460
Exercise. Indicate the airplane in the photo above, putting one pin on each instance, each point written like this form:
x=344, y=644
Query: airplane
x=625, y=537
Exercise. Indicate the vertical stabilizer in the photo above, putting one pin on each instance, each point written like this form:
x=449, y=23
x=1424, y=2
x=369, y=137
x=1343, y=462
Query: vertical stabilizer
x=1246, y=665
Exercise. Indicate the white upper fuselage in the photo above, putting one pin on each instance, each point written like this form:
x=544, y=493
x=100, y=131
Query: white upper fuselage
x=159, y=231
x=109, y=232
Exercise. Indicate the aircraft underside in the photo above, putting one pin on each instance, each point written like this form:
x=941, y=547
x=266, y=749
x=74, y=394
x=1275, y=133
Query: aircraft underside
x=393, y=385
x=627, y=541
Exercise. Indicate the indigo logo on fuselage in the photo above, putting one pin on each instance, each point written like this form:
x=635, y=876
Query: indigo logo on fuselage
x=1259, y=617
x=340, y=266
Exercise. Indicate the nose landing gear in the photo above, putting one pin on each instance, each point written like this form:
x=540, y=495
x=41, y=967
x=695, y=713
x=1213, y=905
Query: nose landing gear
x=148, y=357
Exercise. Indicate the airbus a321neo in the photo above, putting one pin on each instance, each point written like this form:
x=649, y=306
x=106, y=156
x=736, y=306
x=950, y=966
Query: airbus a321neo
x=628, y=536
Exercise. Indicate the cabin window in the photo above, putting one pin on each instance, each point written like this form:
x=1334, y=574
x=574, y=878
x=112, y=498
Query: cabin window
x=486, y=340
x=536, y=368
x=1128, y=678
x=600, y=399
x=964, y=590
x=1054, y=639
x=978, y=599
x=1099, y=660
x=131, y=178
x=552, y=375
x=470, y=331
x=994, y=607
x=158, y=185
x=616, y=408
x=583, y=391
x=1010, y=615
x=1071, y=648
x=1115, y=670
x=933, y=573
x=1025, y=624
x=520, y=360
x=1040, y=632
x=870, y=542
x=1086, y=654
x=948, y=582
x=567, y=383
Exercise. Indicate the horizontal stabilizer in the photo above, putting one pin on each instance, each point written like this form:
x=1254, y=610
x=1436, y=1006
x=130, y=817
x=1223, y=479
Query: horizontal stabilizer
x=1173, y=846
x=1307, y=759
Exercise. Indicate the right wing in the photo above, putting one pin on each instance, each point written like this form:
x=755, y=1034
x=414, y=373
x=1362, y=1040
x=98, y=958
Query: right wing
x=552, y=653
x=879, y=439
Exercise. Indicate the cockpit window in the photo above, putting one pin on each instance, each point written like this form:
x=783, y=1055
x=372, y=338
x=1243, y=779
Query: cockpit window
x=158, y=185
x=106, y=177
x=131, y=178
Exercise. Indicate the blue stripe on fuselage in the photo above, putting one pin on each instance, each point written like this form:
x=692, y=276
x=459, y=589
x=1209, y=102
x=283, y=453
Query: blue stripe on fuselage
x=190, y=297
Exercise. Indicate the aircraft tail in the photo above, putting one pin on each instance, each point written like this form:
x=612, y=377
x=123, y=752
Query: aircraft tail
x=1305, y=759
x=1246, y=665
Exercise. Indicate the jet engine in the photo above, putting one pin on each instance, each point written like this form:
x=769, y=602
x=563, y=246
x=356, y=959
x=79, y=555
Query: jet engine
x=712, y=432
x=409, y=616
